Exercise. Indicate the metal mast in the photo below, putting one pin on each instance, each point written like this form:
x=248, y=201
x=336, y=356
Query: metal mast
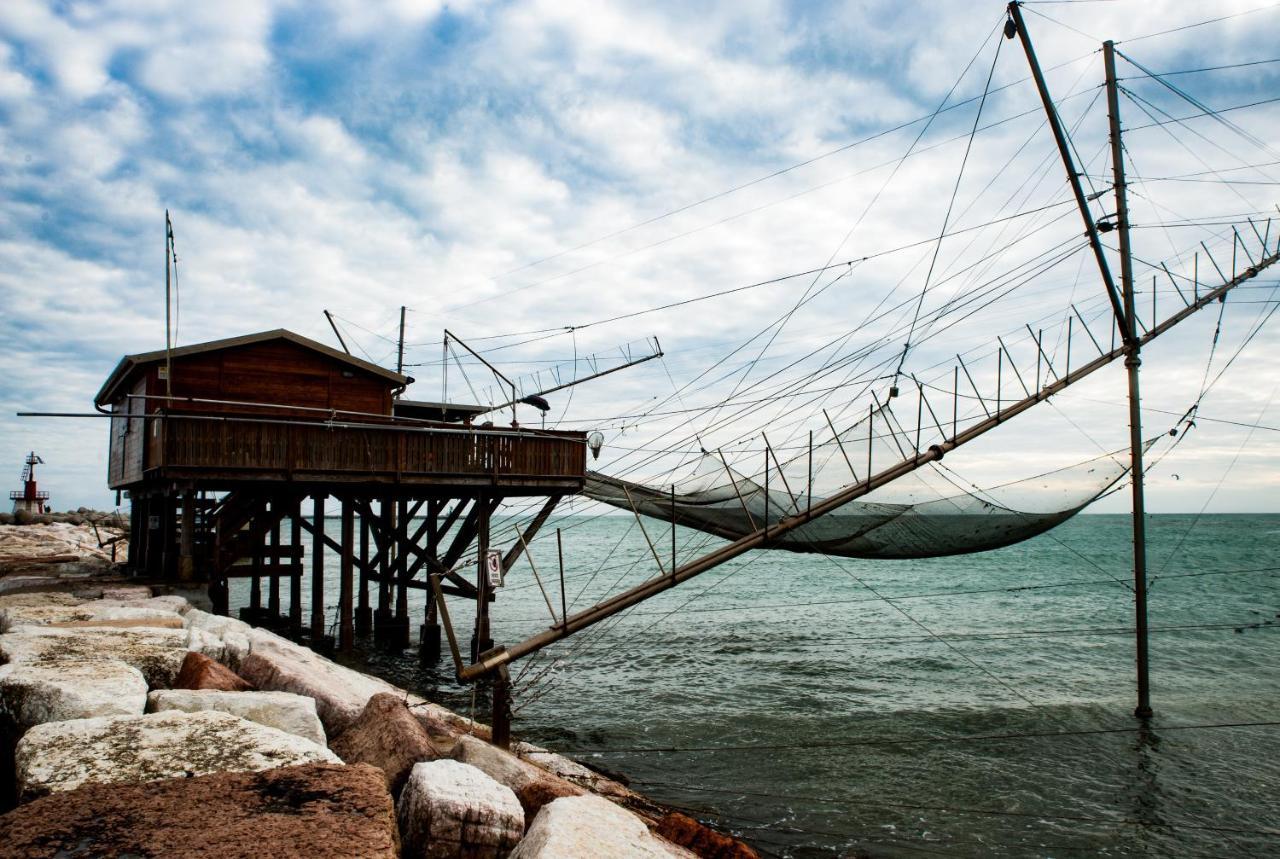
x=400, y=344
x=1132, y=361
x=168, y=339
x=1126, y=320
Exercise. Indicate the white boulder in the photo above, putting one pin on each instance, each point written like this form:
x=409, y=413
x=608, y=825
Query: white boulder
x=39, y=598
x=277, y=664
x=32, y=694
x=233, y=633
x=12, y=617
x=452, y=809
x=168, y=602
x=207, y=643
x=533, y=785
x=294, y=714
x=60, y=756
x=157, y=653
x=587, y=827
x=126, y=593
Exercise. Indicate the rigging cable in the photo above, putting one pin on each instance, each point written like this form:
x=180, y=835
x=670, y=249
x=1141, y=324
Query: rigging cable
x=946, y=219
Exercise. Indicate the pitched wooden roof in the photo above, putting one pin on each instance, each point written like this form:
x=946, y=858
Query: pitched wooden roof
x=130, y=362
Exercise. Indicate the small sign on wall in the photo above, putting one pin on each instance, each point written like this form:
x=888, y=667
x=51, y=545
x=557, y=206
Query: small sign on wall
x=493, y=568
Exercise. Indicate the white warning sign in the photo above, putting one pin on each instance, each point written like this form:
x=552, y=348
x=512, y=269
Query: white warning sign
x=493, y=568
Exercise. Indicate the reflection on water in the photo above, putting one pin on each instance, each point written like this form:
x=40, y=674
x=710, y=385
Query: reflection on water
x=986, y=711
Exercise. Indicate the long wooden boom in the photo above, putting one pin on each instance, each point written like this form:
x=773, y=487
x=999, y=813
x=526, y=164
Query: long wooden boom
x=495, y=659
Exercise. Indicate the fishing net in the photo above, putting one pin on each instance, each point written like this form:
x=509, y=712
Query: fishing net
x=927, y=513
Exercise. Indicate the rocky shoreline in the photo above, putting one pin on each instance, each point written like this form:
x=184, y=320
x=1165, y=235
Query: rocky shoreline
x=132, y=722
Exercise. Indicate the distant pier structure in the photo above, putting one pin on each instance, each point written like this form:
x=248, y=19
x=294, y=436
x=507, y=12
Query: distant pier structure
x=231, y=452
x=30, y=498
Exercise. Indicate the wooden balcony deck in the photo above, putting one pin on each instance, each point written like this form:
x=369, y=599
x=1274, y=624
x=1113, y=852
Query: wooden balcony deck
x=224, y=451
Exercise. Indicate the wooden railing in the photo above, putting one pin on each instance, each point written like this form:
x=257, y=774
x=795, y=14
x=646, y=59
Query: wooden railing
x=244, y=446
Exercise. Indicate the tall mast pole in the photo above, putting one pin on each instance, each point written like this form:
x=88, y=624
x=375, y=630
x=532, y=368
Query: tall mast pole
x=1132, y=361
x=1073, y=176
x=400, y=349
x=168, y=340
x=400, y=344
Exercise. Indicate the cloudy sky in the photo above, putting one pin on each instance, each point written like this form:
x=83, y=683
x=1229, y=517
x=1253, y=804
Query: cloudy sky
x=503, y=168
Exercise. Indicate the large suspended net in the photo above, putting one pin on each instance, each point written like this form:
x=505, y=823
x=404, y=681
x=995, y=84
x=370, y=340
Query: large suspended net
x=927, y=513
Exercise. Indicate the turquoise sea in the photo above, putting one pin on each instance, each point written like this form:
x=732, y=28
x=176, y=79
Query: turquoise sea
x=976, y=705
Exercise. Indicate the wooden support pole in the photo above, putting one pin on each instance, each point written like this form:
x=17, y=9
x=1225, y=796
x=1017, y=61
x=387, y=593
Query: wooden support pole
x=273, y=586
x=186, y=549
x=346, y=615
x=429, y=635
x=481, y=640
x=364, y=614
x=169, y=524
x=386, y=565
x=502, y=708
x=564, y=600
x=317, y=570
x=256, y=540
x=295, y=581
x=402, y=563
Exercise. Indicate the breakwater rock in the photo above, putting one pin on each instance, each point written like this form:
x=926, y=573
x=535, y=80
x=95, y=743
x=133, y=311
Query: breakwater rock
x=135, y=724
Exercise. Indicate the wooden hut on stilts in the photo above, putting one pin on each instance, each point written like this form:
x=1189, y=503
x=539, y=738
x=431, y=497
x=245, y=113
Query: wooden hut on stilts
x=232, y=450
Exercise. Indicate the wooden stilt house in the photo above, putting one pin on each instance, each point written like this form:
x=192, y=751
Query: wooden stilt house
x=230, y=449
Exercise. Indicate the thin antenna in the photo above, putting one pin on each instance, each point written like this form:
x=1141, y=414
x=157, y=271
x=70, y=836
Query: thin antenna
x=336, y=332
x=400, y=344
x=168, y=280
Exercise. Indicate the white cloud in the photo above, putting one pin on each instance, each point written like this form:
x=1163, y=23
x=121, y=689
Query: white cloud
x=429, y=168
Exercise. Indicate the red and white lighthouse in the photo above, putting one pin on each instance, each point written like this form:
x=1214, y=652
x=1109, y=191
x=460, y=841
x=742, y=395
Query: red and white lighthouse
x=29, y=498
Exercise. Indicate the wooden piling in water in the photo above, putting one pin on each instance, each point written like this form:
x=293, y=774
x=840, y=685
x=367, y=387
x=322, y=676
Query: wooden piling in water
x=346, y=624
x=363, y=613
x=295, y=581
x=275, y=559
x=317, y=569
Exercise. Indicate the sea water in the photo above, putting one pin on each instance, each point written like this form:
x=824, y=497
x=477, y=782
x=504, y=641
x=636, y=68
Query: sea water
x=977, y=705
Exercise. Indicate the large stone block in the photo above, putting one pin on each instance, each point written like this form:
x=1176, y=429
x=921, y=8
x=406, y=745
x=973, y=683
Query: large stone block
x=12, y=584
x=88, y=613
x=450, y=809
x=233, y=633
x=341, y=693
x=60, y=756
x=200, y=672
x=199, y=641
x=293, y=714
x=157, y=653
x=582, y=776
x=32, y=694
x=168, y=602
x=588, y=827
x=314, y=811
x=534, y=787
x=442, y=723
x=126, y=593
x=387, y=736
x=174, y=622
x=37, y=598
x=705, y=842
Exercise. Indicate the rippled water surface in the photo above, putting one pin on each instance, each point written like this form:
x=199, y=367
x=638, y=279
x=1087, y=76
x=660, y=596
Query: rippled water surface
x=977, y=705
